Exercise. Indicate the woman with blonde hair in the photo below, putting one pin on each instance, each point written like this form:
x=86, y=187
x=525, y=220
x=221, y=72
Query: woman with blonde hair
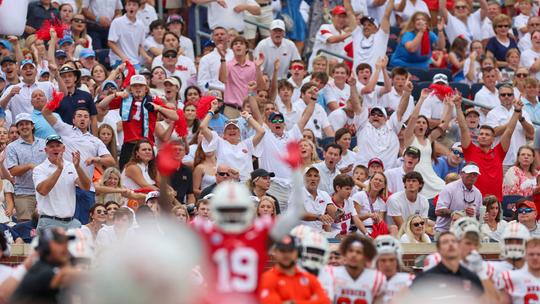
x=308, y=153
x=106, y=135
x=266, y=206
x=370, y=204
x=109, y=188
x=181, y=213
x=414, y=230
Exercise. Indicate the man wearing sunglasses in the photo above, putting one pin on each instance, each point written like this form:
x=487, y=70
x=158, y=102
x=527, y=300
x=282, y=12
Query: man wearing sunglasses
x=223, y=173
x=451, y=163
x=526, y=211
x=499, y=117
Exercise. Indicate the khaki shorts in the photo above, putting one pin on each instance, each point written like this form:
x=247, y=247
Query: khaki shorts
x=266, y=17
x=24, y=206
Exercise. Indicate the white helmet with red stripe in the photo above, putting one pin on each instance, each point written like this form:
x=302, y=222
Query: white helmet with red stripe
x=464, y=225
x=315, y=250
x=514, y=238
x=387, y=244
x=232, y=208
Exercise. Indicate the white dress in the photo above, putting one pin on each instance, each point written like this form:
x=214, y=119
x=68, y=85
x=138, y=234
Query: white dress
x=433, y=184
x=131, y=184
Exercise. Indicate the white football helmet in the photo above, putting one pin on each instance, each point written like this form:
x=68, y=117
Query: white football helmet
x=81, y=247
x=514, y=238
x=315, y=249
x=232, y=208
x=387, y=244
x=464, y=225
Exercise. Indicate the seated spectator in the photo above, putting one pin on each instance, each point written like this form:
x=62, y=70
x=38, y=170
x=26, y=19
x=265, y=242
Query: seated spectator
x=403, y=204
x=530, y=57
x=140, y=171
x=202, y=210
x=110, y=188
x=223, y=173
x=471, y=66
x=348, y=158
x=527, y=213
x=414, y=230
x=360, y=176
x=328, y=168
x=499, y=45
x=181, y=213
x=488, y=95
x=98, y=218
x=315, y=201
x=111, y=207
x=521, y=179
x=259, y=185
x=457, y=57
x=109, y=235
x=451, y=163
x=411, y=157
x=493, y=226
x=153, y=43
x=417, y=41
x=267, y=206
x=370, y=204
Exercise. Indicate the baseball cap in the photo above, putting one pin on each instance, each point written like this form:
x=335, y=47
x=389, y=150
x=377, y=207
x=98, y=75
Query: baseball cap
x=43, y=72
x=307, y=169
x=526, y=203
x=6, y=44
x=375, y=160
x=8, y=59
x=471, y=110
x=209, y=43
x=440, y=78
x=456, y=145
x=151, y=195
x=274, y=115
x=471, y=168
x=338, y=10
x=378, y=108
x=369, y=19
x=145, y=71
x=277, y=24
x=231, y=122
x=27, y=61
x=138, y=79
x=60, y=54
x=53, y=138
x=170, y=50
x=87, y=53
x=287, y=243
x=175, y=19
x=261, y=173
x=107, y=84
x=172, y=81
x=66, y=39
x=85, y=72
x=23, y=117
x=412, y=151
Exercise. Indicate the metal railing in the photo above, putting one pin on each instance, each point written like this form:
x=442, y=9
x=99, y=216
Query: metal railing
x=346, y=58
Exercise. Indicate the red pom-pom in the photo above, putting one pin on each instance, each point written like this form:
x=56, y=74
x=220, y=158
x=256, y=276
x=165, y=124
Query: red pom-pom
x=180, y=126
x=44, y=32
x=441, y=90
x=204, y=105
x=130, y=72
x=293, y=157
x=55, y=101
x=167, y=161
x=144, y=190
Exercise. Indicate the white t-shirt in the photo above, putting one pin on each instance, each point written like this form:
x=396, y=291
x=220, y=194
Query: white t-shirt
x=520, y=21
x=399, y=205
x=372, y=99
x=487, y=98
x=285, y=52
x=364, y=289
x=128, y=36
x=342, y=223
x=60, y=201
x=318, y=120
x=334, y=94
x=368, y=50
x=392, y=99
x=147, y=14
x=366, y=207
x=470, y=31
x=394, y=178
x=150, y=42
x=339, y=119
x=237, y=156
x=227, y=17
x=316, y=206
x=405, y=239
x=326, y=31
x=528, y=57
x=104, y=8
x=411, y=8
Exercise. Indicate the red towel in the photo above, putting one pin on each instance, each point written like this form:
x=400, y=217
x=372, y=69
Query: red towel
x=441, y=90
x=425, y=48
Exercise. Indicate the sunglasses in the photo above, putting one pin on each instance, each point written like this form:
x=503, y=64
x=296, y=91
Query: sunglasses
x=525, y=210
x=522, y=75
x=169, y=56
x=503, y=26
x=278, y=120
x=378, y=114
x=297, y=68
x=101, y=211
x=456, y=152
x=223, y=173
x=78, y=20
x=461, y=7
x=506, y=94
x=418, y=224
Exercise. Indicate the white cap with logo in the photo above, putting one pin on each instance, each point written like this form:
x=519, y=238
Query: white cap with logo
x=138, y=79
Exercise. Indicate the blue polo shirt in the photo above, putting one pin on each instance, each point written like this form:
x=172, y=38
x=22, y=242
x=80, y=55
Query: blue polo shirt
x=79, y=99
x=532, y=110
x=41, y=126
x=442, y=168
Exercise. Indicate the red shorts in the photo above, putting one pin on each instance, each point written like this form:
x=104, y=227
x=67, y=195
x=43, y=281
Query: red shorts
x=433, y=5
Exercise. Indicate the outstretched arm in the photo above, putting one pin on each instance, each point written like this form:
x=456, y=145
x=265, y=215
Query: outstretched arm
x=296, y=210
x=402, y=107
x=350, y=15
x=408, y=135
x=507, y=135
x=463, y=129
x=385, y=23
x=309, y=110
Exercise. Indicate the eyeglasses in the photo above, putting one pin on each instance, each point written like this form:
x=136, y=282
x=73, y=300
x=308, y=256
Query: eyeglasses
x=503, y=26
x=99, y=211
x=521, y=75
x=456, y=152
x=169, y=56
x=223, y=173
x=525, y=210
x=461, y=7
x=506, y=94
x=277, y=120
x=418, y=224
x=77, y=20
x=316, y=123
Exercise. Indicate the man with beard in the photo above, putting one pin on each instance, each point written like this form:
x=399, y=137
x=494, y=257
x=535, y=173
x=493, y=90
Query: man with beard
x=285, y=282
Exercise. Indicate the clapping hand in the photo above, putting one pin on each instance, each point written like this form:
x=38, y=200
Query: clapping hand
x=76, y=157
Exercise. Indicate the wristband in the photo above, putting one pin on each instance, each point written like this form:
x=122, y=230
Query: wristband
x=97, y=19
x=19, y=272
x=517, y=111
x=223, y=60
x=252, y=94
x=211, y=113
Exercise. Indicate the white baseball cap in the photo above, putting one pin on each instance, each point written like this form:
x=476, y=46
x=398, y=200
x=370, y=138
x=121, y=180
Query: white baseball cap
x=138, y=79
x=277, y=24
x=471, y=168
x=440, y=78
x=23, y=117
x=151, y=195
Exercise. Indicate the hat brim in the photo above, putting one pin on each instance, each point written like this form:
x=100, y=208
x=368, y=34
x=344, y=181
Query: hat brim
x=54, y=140
x=76, y=72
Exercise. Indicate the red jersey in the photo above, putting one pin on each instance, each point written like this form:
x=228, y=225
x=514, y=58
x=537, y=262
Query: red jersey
x=491, y=168
x=134, y=126
x=238, y=260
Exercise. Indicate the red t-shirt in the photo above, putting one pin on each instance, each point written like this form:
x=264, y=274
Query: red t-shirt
x=133, y=127
x=491, y=168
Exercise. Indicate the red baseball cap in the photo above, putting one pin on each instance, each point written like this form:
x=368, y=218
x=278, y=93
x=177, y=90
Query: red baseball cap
x=338, y=10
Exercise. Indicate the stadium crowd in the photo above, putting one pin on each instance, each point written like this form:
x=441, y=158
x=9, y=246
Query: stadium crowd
x=326, y=133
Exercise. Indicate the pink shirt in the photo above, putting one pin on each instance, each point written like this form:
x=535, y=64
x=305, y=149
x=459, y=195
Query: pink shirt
x=238, y=77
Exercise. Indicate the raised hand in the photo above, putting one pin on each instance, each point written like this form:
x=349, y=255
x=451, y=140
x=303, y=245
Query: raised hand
x=245, y=114
x=277, y=63
x=76, y=157
x=518, y=105
x=59, y=161
x=351, y=81
x=260, y=60
x=222, y=50
x=14, y=91
x=425, y=93
x=222, y=3
x=215, y=106
x=252, y=86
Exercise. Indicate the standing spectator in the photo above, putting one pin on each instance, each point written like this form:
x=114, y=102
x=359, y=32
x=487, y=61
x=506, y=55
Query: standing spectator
x=153, y=44
x=411, y=157
x=38, y=12
x=459, y=195
x=176, y=25
x=182, y=178
x=208, y=72
x=120, y=228
x=276, y=47
x=236, y=74
x=499, y=117
x=417, y=41
x=318, y=122
x=100, y=14
x=328, y=168
x=75, y=98
x=403, y=204
x=315, y=201
x=56, y=180
x=41, y=126
x=265, y=18
x=147, y=14
x=451, y=163
x=520, y=179
x=223, y=173
x=92, y=151
x=22, y=156
x=471, y=66
x=463, y=22
x=229, y=14
x=333, y=36
x=338, y=92
x=530, y=58
x=126, y=38
x=138, y=112
x=488, y=94
x=533, y=24
x=499, y=45
x=433, y=107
